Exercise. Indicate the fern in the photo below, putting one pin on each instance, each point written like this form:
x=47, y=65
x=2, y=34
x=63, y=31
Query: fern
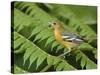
x=33, y=52
x=34, y=44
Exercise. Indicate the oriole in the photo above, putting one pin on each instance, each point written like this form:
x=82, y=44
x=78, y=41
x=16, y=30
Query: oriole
x=65, y=38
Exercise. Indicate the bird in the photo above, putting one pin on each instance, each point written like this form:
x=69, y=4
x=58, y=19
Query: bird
x=67, y=39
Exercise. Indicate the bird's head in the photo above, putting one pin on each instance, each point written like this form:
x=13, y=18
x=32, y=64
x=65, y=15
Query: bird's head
x=54, y=24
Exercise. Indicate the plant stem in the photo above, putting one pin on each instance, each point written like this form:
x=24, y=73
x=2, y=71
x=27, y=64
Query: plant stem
x=48, y=66
x=45, y=68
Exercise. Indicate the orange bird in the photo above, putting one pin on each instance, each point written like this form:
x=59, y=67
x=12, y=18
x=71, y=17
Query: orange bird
x=65, y=38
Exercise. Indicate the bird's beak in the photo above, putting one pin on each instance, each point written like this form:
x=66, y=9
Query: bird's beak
x=49, y=24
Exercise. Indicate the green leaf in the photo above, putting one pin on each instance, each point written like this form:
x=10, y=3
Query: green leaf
x=28, y=52
x=59, y=47
x=83, y=62
x=18, y=42
x=33, y=57
x=56, y=61
x=54, y=44
x=91, y=65
x=41, y=58
x=50, y=60
x=18, y=69
x=49, y=40
x=60, y=66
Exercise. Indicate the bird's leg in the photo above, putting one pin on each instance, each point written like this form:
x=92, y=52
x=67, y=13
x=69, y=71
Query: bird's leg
x=69, y=50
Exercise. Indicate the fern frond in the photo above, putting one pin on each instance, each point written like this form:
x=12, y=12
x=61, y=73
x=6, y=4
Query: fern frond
x=85, y=61
x=34, y=53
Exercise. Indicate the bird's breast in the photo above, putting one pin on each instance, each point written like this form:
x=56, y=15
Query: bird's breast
x=58, y=35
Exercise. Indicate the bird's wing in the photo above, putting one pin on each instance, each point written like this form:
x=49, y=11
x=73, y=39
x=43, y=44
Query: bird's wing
x=71, y=37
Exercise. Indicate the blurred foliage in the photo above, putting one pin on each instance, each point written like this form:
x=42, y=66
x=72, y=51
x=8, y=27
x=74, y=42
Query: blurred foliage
x=33, y=44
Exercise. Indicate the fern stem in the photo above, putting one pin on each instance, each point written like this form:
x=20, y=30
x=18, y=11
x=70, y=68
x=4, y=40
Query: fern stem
x=45, y=68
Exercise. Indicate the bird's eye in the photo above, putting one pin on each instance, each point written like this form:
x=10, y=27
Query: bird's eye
x=54, y=23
